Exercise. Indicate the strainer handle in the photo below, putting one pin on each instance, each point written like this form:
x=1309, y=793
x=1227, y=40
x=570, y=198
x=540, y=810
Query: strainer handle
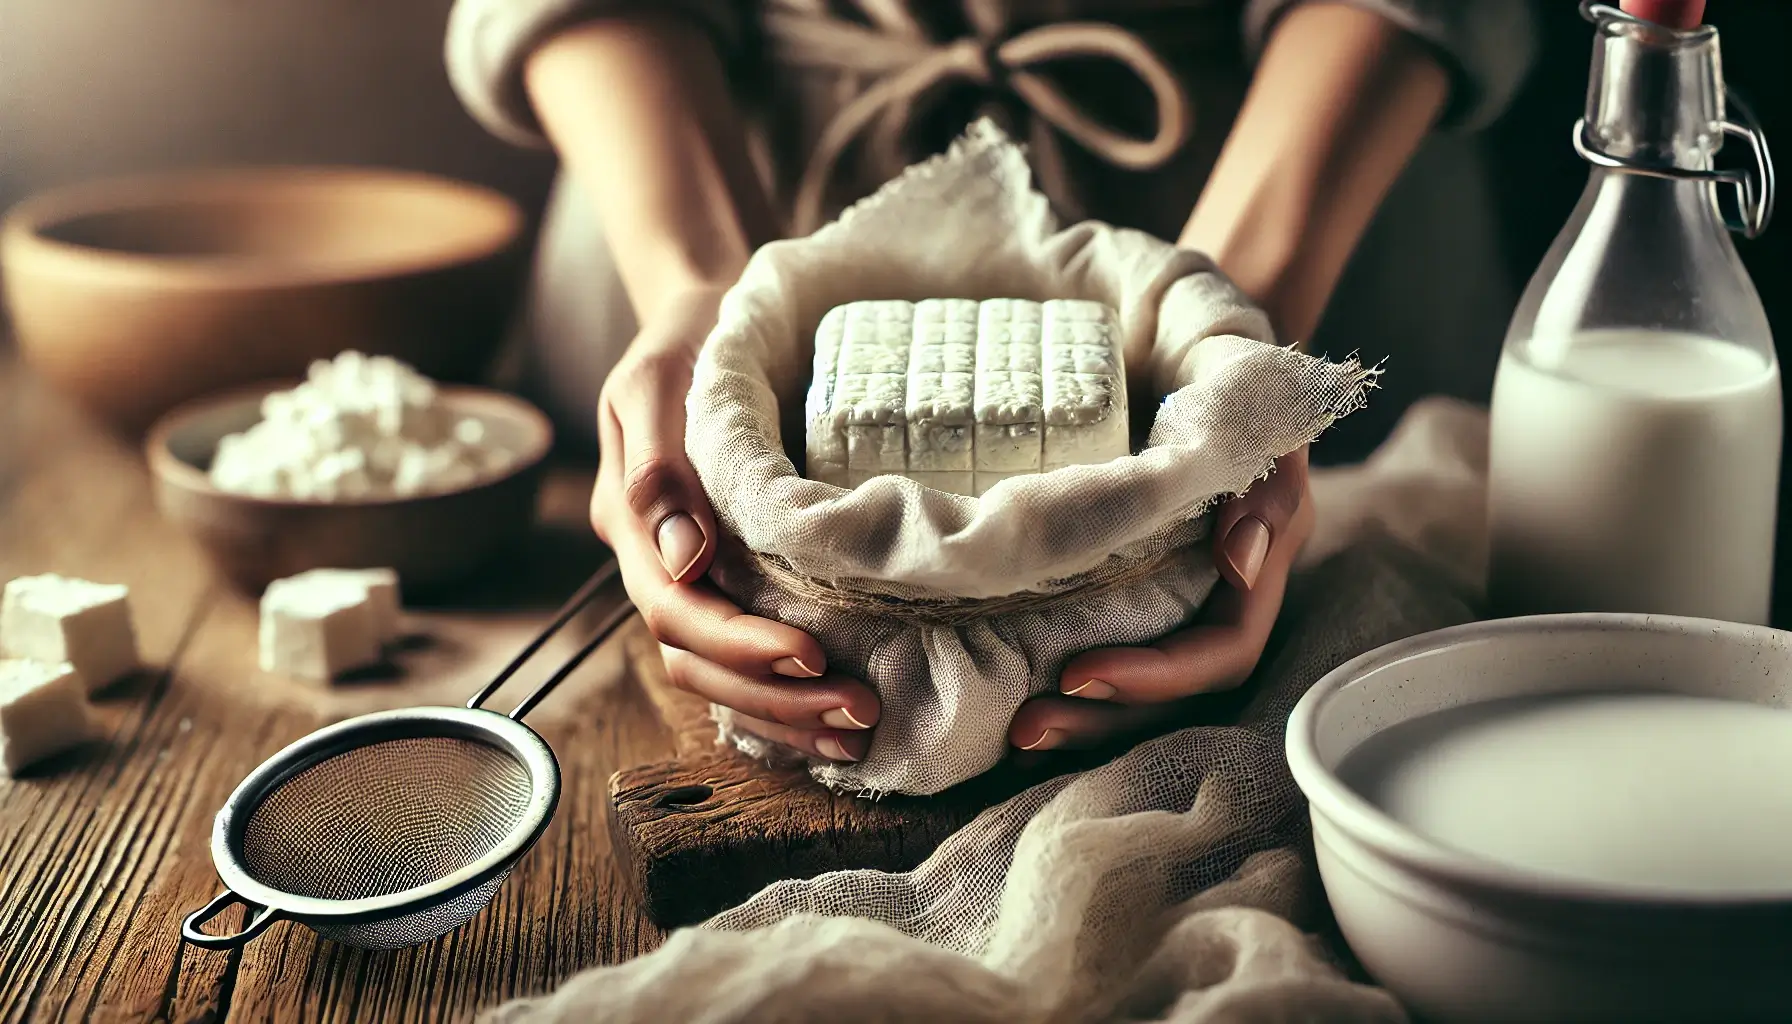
x=259, y=919
x=573, y=606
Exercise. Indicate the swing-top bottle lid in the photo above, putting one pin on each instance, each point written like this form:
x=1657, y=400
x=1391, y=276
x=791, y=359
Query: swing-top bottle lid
x=1657, y=104
x=1656, y=95
x=1677, y=14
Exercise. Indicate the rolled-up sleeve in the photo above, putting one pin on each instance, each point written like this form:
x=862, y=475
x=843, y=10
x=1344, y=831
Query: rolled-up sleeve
x=1487, y=46
x=490, y=40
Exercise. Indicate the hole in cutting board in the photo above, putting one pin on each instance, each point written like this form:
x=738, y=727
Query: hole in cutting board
x=684, y=796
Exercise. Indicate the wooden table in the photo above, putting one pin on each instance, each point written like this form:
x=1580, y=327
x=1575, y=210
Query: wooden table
x=103, y=851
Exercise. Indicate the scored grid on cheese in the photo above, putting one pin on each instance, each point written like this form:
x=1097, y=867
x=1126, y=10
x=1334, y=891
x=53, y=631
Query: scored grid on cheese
x=1083, y=384
x=873, y=378
x=959, y=394
x=941, y=401
x=1010, y=388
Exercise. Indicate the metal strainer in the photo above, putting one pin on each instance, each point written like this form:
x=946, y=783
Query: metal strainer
x=391, y=829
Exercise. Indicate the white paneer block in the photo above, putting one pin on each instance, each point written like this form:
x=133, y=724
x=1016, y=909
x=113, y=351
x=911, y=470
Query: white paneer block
x=381, y=586
x=319, y=628
x=58, y=619
x=958, y=394
x=43, y=712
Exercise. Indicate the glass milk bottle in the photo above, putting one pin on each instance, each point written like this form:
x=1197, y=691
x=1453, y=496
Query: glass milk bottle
x=1635, y=433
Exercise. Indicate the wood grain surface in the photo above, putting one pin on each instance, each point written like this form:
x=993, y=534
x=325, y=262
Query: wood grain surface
x=103, y=851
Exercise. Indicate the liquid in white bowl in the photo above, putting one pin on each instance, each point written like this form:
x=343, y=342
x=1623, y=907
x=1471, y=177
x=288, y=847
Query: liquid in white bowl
x=1655, y=790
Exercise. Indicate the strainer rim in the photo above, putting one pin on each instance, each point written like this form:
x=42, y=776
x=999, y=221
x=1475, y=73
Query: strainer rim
x=476, y=724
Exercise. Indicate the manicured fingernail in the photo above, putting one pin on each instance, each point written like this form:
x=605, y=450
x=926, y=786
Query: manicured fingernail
x=681, y=544
x=1093, y=689
x=1247, y=546
x=1046, y=741
x=830, y=748
x=841, y=718
x=794, y=668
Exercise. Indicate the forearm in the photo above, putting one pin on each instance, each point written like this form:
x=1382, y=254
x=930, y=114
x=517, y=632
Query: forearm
x=1340, y=102
x=639, y=112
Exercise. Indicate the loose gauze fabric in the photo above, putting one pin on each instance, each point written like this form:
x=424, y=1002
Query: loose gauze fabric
x=957, y=609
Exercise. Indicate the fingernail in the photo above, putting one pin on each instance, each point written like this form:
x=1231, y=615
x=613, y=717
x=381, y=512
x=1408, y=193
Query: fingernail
x=1247, y=546
x=681, y=544
x=1046, y=741
x=841, y=718
x=794, y=668
x=830, y=748
x=1093, y=689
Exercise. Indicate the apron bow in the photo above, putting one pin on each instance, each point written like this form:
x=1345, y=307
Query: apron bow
x=905, y=66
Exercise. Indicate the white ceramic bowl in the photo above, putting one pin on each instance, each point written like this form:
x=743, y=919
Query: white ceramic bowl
x=1461, y=938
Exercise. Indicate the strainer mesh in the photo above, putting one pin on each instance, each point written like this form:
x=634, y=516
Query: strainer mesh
x=386, y=817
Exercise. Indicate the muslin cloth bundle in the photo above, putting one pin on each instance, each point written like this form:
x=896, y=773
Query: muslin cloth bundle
x=957, y=609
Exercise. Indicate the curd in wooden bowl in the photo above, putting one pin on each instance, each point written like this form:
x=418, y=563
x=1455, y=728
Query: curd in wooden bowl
x=433, y=540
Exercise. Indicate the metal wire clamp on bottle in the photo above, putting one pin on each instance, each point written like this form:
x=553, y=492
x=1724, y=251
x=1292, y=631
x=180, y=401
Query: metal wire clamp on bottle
x=394, y=828
x=1659, y=72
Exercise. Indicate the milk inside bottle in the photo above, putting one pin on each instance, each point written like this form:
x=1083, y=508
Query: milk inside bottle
x=1636, y=420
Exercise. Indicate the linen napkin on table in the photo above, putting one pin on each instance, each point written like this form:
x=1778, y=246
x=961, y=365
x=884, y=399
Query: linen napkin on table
x=1172, y=884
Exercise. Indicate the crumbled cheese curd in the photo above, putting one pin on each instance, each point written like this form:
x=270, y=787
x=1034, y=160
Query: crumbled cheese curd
x=359, y=427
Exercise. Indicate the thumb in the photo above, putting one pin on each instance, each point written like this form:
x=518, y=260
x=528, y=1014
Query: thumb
x=1252, y=527
x=661, y=489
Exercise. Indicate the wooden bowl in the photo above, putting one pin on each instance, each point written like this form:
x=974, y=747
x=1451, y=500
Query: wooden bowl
x=134, y=296
x=434, y=540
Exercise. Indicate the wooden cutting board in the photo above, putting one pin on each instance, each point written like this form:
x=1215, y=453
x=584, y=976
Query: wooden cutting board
x=706, y=830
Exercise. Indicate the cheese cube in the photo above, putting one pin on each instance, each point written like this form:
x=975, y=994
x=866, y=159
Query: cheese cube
x=959, y=394
x=43, y=712
x=319, y=628
x=381, y=586
x=57, y=619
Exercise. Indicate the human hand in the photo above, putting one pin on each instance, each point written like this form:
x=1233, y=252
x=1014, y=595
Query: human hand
x=649, y=507
x=1117, y=690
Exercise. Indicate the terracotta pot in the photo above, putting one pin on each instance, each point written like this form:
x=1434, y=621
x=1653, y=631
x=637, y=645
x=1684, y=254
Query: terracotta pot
x=433, y=541
x=134, y=296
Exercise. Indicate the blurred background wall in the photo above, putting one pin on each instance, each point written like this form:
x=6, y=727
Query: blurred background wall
x=97, y=87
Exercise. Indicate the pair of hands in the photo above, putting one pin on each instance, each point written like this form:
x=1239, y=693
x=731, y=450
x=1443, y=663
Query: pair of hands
x=650, y=508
